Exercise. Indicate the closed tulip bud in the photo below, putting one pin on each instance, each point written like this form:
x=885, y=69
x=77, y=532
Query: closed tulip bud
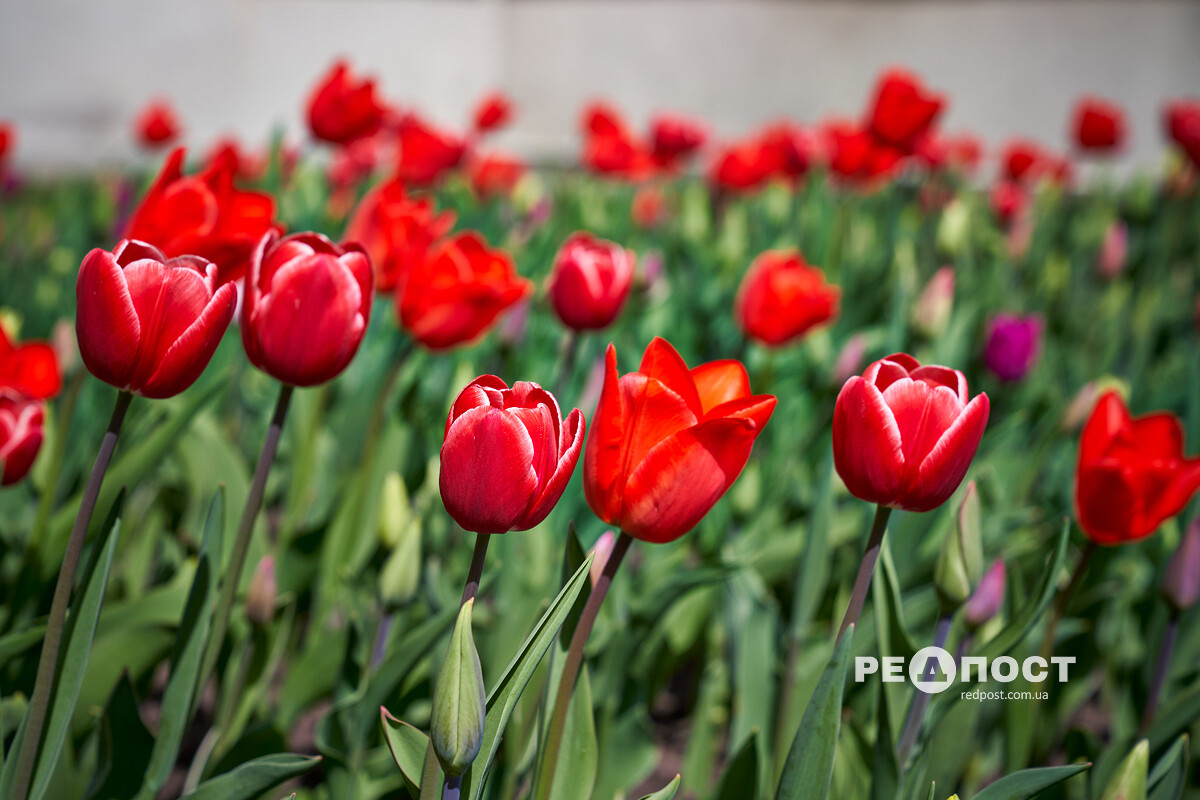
x=590, y=282
x=342, y=108
x=148, y=324
x=1129, y=781
x=305, y=308
x=1113, y=250
x=904, y=434
x=903, y=110
x=507, y=456
x=22, y=429
x=988, y=596
x=459, y=701
x=1098, y=125
x=1181, y=585
x=954, y=228
x=395, y=510
x=157, y=125
x=782, y=298
x=1013, y=345
x=931, y=314
x=961, y=560
x=400, y=577
x=260, y=599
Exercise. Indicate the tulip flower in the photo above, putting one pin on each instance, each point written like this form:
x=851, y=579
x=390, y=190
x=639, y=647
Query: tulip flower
x=1182, y=121
x=855, y=155
x=8, y=141
x=1021, y=160
x=673, y=139
x=789, y=150
x=29, y=370
x=397, y=231
x=493, y=113
x=426, y=153
x=22, y=423
x=902, y=111
x=1009, y=201
x=1098, y=125
x=457, y=291
x=667, y=442
x=782, y=298
x=156, y=125
x=342, y=108
x=740, y=167
x=610, y=148
x=495, y=175
x=148, y=324
x=1114, y=250
x=203, y=215
x=1132, y=474
x=306, y=307
x=1014, y=343
x=590, y=281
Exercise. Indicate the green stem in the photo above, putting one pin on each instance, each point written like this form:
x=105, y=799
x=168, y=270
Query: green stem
x=39, y=703
x=1064, y=599
x=471, y=587
x=920, y=701
x=862, y=584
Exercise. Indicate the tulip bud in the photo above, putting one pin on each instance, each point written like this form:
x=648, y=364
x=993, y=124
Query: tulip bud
x=954, y=228
x=849, y=360
x=985, y=602
x=400, y=577
x=1014, y=343
x=260, y=600
x=590, y=281
x=1129, y=781
x=601, y=551
x=1113, y=250
x=931, y=314
x=459, y=701
x=395, y=510
x=1181, y=585
x=961, y=561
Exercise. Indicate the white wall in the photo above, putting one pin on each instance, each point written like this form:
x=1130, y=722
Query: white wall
x=74, y=72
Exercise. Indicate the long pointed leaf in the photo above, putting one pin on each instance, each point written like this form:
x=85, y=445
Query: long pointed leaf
x=1029, y=783
x=251, y=779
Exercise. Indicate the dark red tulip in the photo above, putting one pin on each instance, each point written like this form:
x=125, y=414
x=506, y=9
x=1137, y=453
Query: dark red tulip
x=1182, y=119
x=203, y=215
x=457, y=291
x=156, y=125
x=1008, y=200
x=1022, y=160
x=1098, y=125
x=856, y=156
x=8, y=141
x=493, y=113
x=342, y=108
x=148, y=324
x=22, y=422
x=29, y=369
x=902, y=111
x=590, y=281
x=788, y=150
x=426, y=153
x=610, y=148
x=507, y=456
x=674, y=139
x=668, y=442
x=905, y=434
x=742, y=166
x=306, y=307
x=782, y=298
x=496, y=175
x=1132, y=474
x=397, y=231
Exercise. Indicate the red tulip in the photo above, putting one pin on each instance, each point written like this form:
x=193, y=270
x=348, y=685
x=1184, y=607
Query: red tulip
x=1132, y=473
x=306, y=307
x=674, y=139
x=397, y=231
x=788, y=150
x=21, y=434
x=203, y=215
x=493, y=113
x=857, y=156
x=458, y=290
x=1182, y=124
x=1022, y=160
x=147, y=324
x=590, y=281
x=496, y=175
x=903, y=111
x=156, y=125
x=904, y=434
x=426, y=153
x=667, y=442
x=29, y=370
x=609, y=146
x=507, y=456
x=243, y=164
x=8, y=141
x=1098, y=125
x=782, y=298
x=342, y=109
x=742, y=166
x=1008, y=200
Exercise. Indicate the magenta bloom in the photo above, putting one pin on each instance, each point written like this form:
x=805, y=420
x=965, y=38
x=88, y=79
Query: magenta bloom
x=1014, y=343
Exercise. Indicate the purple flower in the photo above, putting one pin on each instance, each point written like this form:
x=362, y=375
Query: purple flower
x=1013, y=345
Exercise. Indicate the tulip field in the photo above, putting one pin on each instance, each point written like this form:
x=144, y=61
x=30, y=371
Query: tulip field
x=389, y=465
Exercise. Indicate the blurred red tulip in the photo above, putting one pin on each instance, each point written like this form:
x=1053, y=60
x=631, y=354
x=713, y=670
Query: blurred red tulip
x=203, y=215
x=156, y=125
x=29, y=369
x=667, y=442
x=457, y=291
x=397, y=231
x=856, y=156
x=782, y=298
x=1182, y=119
x=649, y=206
x=590, y=281
x=496, y=175
x=507, y=456
x=306, y=307
x=1021, y=160
x=8, y=141
x=610, y=148
x=244, y=165
x=1098, y=125
x=21, y=433
x=790, y=150
x=147, y=324
x=426, y=153
x=1008, y=200
x=342, y=108
x=962, y=152
x=674, y=139
x=902, y=111
x=1132, y=473
x=905, y=434
x=493, y=113
x=741, y=166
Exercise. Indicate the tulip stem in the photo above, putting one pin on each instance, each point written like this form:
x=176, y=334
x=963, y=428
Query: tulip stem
x=1064, y=598
x=862, y=584
x=452, y=787
x=1160, y=670
x=920, y=701
x=241, y=546
x=471, y=587
x=572, y=664
x=39, y=702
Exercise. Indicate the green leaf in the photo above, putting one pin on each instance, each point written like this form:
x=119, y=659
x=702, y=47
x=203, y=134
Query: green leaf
x=665, y=793
x=1029, y=783
x=125, y=746
x=573, y=556
x=408, y=746
x=885, y=777
x=808, y=771
x=1129, y=781
x=1169, y=777
x=251, y=779
x=740, y=780
x=1175, y=718
x=575, y=775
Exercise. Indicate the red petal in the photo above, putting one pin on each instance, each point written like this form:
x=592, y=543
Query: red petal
x=1108, y=419
x=923, y=413
x=943, y=469
x=867, y=448
x=719, y=382
x=33, y=370
x=573, y=435
x=1108, y=508
x=603, y=458
x=486, y=479
x=187, y=357
x=664, y=364
x=106, y=323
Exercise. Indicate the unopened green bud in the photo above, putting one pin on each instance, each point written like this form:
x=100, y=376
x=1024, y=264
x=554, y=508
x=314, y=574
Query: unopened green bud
x=395, y=511
x=1129, y=781
x=400, y=577
x=960, y=564
x=459, y=701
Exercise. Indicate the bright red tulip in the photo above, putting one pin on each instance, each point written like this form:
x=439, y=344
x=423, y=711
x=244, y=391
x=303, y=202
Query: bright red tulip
x=1008, y=200
x=493, y=113
x=904, y=435
x=458, y=290
x=741, y=167
x=610, y=148
x=306, y=307
x=397, y=231
x=1132, y=474
x=667, y=442
x=156, y=125
x=1022, y=160
x=342, y=109
x=507, y=456
x=21, y=433
x=426, y=153
x=1182, y=119
x=855, y=155
x=674, y=139
x=8, y=141
x=29, y=369
x=782, y=298
x=590, y=281
x=903, y=111
x=1098, y=125
x=788, y=150
x=148, y=324
x=203, y=215
x=496, y=175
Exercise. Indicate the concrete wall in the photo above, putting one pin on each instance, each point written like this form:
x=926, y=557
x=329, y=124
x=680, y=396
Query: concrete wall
x=74, y=72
